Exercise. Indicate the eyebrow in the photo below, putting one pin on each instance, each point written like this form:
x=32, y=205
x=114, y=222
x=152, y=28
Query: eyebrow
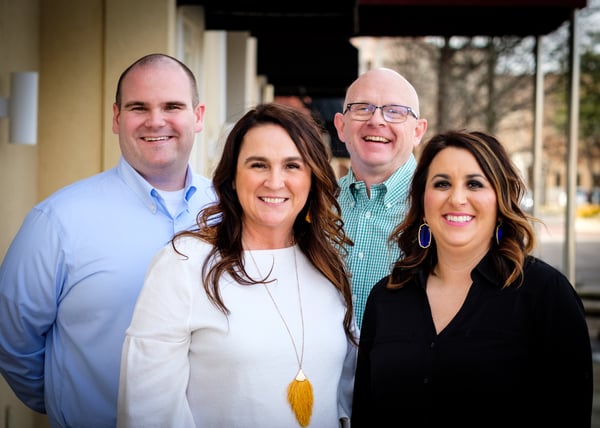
x=264, y=159
x=469, y=176
x=143, y=104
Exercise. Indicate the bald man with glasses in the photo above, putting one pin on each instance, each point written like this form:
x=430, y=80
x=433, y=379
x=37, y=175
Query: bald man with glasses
x=380, y=126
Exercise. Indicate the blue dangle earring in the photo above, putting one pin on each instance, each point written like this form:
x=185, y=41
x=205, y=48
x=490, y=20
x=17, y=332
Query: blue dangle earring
x=424, y=237
x=499, y=232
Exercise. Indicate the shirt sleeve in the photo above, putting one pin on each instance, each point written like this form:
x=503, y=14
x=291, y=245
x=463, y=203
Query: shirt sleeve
x=31, y=276
x=155, y=363
x=346, y=388
x=564, y=346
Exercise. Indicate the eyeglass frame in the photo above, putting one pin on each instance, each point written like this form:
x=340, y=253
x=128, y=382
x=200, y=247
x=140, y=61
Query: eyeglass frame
x=409, y=110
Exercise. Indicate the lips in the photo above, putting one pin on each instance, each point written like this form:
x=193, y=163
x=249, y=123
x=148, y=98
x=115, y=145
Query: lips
x=376, y=139
x=155, y=139
x=272, y=200
x=459, y=218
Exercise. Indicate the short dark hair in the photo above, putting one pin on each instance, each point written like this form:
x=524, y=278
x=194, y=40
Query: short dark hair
x=155, y=58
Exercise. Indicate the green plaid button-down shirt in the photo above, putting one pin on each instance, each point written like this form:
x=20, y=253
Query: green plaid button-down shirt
x=369, y=222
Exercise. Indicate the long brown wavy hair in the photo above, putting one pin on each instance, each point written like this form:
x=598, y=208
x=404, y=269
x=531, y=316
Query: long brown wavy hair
x=322, y=239
x=518, y=237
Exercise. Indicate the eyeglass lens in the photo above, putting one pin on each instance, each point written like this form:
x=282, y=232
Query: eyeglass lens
x=391, y=113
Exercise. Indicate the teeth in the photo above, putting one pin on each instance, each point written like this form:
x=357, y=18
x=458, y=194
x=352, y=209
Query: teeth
x=152, y=139
x=375, y=138
x=273, y=200
x=459, y=218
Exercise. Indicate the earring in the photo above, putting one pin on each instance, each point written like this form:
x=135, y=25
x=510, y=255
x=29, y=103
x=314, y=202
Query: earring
x=424, y=236
x=499, y=232
x=307, y=217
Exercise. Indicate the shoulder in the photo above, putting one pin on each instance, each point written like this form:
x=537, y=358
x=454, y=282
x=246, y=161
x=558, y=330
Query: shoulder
x=201, y=181
x=545, y=281
x=400, y=180
x=204, y=188
x=538, y=270
x=183, y=255
x=380, y=289
x=75, y=195
x=188, y=247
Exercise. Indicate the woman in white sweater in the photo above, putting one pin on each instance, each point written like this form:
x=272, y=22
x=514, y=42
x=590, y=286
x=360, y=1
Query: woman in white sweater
x=247, y=321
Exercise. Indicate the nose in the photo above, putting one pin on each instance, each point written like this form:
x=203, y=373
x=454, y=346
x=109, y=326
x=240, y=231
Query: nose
x=457, y=196
x=274, y=180
x=377, y=116
x=155, y=118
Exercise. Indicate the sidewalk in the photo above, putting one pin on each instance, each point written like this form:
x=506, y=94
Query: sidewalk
x=553, y=249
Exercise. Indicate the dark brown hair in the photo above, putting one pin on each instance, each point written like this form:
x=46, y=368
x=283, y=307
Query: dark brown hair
x=322, y=240
x=518, y=238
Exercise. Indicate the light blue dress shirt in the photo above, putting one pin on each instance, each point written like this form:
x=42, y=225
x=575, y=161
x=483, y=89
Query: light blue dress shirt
x=68, y=285
x=369, y=222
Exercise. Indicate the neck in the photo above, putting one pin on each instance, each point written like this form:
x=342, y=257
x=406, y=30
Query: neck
x=372, y=176
x=451, y=266
x=265, y=241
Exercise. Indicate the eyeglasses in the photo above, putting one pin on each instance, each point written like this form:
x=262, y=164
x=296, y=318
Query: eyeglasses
x=392, y=113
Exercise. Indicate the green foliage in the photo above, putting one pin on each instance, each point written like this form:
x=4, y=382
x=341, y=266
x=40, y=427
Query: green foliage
x=589, y=107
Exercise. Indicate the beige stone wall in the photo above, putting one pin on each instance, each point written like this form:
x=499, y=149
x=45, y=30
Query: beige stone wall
x=79, y=49
x=19, y=51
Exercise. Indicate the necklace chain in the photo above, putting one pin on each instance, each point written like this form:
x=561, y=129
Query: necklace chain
x=299, y=357
x=299, y=391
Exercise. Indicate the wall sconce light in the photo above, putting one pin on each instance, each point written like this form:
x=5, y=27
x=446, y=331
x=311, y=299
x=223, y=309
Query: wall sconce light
x=22, y=107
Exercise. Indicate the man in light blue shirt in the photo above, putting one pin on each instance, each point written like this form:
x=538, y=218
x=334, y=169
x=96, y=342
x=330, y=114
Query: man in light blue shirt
x=71, y=277
x=380, y=126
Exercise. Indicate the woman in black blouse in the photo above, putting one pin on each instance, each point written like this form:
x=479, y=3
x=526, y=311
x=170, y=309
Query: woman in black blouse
x=470, y=329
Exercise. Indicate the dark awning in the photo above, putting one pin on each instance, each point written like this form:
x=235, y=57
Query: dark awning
x=304, y=46
x=413, y=18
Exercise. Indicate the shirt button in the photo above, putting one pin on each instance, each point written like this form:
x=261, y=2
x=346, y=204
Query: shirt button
x=368, y=214
x=360, y=255
x=432, y=345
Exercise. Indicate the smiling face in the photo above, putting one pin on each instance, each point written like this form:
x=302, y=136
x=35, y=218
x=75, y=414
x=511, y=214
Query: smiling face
x=459, y=202
x=157, y=122
x=272, y=183
x=377, y=147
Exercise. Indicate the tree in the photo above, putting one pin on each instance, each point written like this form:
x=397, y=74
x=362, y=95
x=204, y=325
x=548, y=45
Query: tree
x=589, y=111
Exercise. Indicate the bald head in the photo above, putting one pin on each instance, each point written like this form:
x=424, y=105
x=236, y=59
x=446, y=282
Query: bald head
x=383, y=86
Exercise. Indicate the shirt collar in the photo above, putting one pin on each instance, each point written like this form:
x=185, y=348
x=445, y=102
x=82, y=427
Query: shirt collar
x=145, y=190
x=483, y=273
x=396, y=187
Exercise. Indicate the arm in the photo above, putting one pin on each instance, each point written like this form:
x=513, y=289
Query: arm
x=362, y=415
x=347, y=384
x=154, y=364
x=31, y=277
x=566, y=378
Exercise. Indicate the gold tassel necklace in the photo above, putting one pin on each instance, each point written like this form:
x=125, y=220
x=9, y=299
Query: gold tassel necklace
x=299, y=392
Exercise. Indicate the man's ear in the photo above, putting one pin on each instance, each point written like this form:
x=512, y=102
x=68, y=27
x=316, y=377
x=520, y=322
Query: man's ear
x=338, y=122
